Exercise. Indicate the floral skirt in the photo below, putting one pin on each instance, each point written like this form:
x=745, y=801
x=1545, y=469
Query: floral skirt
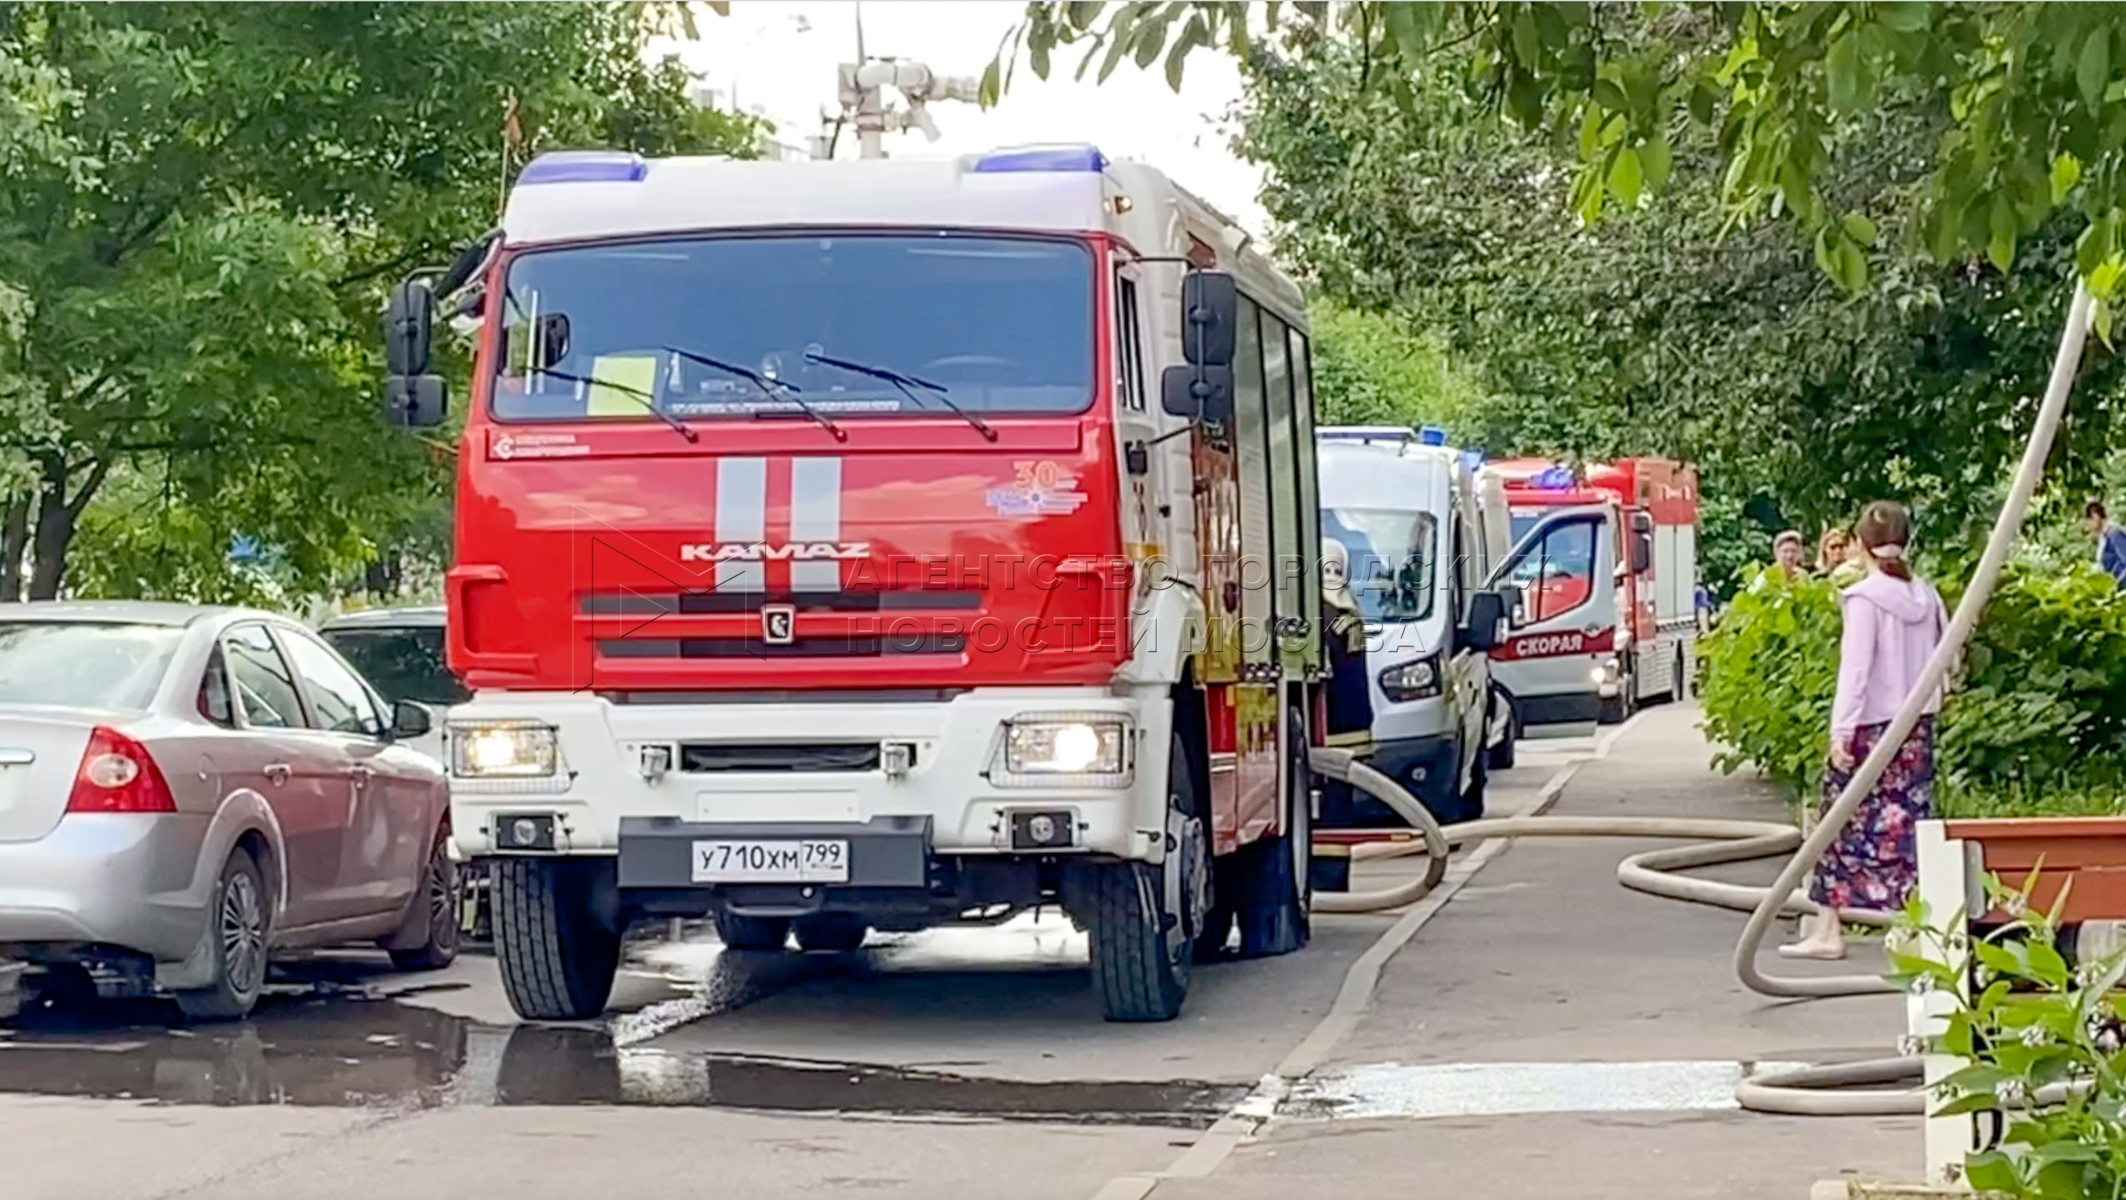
x=1874, y=863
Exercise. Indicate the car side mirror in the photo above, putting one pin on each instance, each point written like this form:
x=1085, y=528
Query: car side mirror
x=1198, y=393
x=410, y=720
x=1487, y=621
x=1210, y=318
x=1642, y=552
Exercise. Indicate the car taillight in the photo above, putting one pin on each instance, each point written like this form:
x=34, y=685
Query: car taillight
x=118, y=775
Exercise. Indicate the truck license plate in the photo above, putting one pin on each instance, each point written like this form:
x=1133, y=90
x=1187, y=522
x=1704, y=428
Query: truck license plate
x=812, y=860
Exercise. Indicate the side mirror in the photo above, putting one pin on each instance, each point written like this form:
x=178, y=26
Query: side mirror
x=1210, y=318
x=415, y=401
x=1487, y=621
x=1198, y=393
x=409, y=328
x=1642, y=522
x=411, y=720
x=1642, y=551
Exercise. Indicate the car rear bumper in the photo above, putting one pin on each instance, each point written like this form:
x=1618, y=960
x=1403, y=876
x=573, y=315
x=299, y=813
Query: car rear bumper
x=127, y=880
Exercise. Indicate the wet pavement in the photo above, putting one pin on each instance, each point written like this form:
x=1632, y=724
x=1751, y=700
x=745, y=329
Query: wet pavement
x=329, y=1036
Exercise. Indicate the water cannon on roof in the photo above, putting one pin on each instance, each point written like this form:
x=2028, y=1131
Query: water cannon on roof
x=864, y=104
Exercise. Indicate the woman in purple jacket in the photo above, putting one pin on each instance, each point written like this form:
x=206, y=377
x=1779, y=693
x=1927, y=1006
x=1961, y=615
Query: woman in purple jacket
x=1892, y=624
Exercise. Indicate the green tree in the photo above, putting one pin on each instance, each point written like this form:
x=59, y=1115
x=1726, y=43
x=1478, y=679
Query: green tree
x=202, y=206
x=2027, y=95
x=1663, y=329
x=1373, y=368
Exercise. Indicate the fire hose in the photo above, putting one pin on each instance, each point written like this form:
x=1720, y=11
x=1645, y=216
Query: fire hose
x=1808, y=1091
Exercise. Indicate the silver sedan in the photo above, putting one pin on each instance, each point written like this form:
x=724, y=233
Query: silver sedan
x=185, y=791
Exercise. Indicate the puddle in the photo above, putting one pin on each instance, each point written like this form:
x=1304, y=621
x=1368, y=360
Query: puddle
x=334, y=1045
x=1516, y=1089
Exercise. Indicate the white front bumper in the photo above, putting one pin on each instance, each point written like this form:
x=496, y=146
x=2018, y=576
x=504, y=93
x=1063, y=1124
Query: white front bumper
x=956, y=743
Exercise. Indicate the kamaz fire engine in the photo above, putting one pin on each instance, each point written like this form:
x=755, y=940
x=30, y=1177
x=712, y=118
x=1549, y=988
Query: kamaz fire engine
x=850, y=546
x=1605, y=569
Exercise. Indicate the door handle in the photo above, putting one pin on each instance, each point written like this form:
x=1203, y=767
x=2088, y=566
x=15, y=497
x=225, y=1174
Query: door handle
x=278, y=772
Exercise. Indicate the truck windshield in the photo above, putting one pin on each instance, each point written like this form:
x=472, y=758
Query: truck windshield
x=1394, y=560
x=1005, y=323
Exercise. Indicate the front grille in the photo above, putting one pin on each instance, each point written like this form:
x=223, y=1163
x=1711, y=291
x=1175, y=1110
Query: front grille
x=712, y=757
x=857, y=646
x=654, y=604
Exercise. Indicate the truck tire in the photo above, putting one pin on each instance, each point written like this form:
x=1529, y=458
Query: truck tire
x=239, y=933
x=557, y=958
x=1618, y=708
x=1275, y=918
x=833, y=933
x=1507, y=751
x=753, y=933
x=1145, y=921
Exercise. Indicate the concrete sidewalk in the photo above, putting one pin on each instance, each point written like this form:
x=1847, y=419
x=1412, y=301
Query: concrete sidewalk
x=1544, y=959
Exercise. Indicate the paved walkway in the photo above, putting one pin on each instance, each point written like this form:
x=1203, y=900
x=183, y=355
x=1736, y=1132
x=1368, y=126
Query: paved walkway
x=1553, y=1035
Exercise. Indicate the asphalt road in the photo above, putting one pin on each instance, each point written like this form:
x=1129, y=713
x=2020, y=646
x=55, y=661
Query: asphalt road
x=953, y=1063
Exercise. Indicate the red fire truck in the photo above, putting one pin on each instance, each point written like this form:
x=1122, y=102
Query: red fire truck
x=850, y=546
x=1605, y=568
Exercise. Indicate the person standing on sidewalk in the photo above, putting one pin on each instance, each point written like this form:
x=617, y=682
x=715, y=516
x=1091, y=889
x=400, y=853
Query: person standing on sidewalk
x=2110, y=541
x=1893, y=622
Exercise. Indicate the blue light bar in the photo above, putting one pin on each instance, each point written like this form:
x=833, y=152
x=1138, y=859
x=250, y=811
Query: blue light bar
x=1473, y=458
x=1432, y=435
x=1559, y=478
x=585, y=166
x=1042, y=158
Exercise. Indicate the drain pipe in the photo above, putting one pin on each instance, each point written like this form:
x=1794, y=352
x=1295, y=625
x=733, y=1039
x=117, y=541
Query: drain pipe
x=1808, y=1091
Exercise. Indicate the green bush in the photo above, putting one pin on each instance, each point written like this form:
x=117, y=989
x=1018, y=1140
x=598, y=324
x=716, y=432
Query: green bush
x=2035, y=721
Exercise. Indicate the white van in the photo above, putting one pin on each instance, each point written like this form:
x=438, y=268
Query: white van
x=1404, y=506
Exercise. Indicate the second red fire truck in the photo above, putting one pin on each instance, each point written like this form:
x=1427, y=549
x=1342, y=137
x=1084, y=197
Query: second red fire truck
x=1604, y=569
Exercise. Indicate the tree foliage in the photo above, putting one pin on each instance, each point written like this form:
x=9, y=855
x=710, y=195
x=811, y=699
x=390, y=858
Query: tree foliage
x=202, y=204
x=1667, y=329
x=1373, y=368
x=2028, y=94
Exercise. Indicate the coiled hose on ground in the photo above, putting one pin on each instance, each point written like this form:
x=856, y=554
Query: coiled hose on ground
x=1811, y=1091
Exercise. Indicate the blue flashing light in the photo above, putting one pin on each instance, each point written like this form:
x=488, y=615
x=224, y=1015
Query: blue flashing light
x=1041, y=158
x=1555, y=479
x=1473, y=458
x=245, y=549
x=585, y=166
x=1432, y=435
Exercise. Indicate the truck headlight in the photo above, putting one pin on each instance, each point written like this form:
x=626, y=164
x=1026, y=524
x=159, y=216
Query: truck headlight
x=1411, y=681
x=1092, y=750
x=503, y=750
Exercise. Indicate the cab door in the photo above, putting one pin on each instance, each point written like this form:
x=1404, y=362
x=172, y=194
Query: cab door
x=1468, y=674
x=1564, y=626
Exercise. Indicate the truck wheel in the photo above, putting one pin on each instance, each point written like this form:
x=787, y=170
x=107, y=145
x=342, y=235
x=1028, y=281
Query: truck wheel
x=1504, y=754
x=834, y=933
x=239, y=931
x=753, y=933
x=557, y=958
x=439, y=896
x=1275, y=918
x=1617, y=708
x=1145, y=920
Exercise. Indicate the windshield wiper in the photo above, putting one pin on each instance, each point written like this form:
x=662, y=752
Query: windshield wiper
x=771, y=388
x=904, y=382
x=647, y=399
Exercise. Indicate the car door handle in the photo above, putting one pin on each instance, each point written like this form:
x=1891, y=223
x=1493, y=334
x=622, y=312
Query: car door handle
x=278, y=772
